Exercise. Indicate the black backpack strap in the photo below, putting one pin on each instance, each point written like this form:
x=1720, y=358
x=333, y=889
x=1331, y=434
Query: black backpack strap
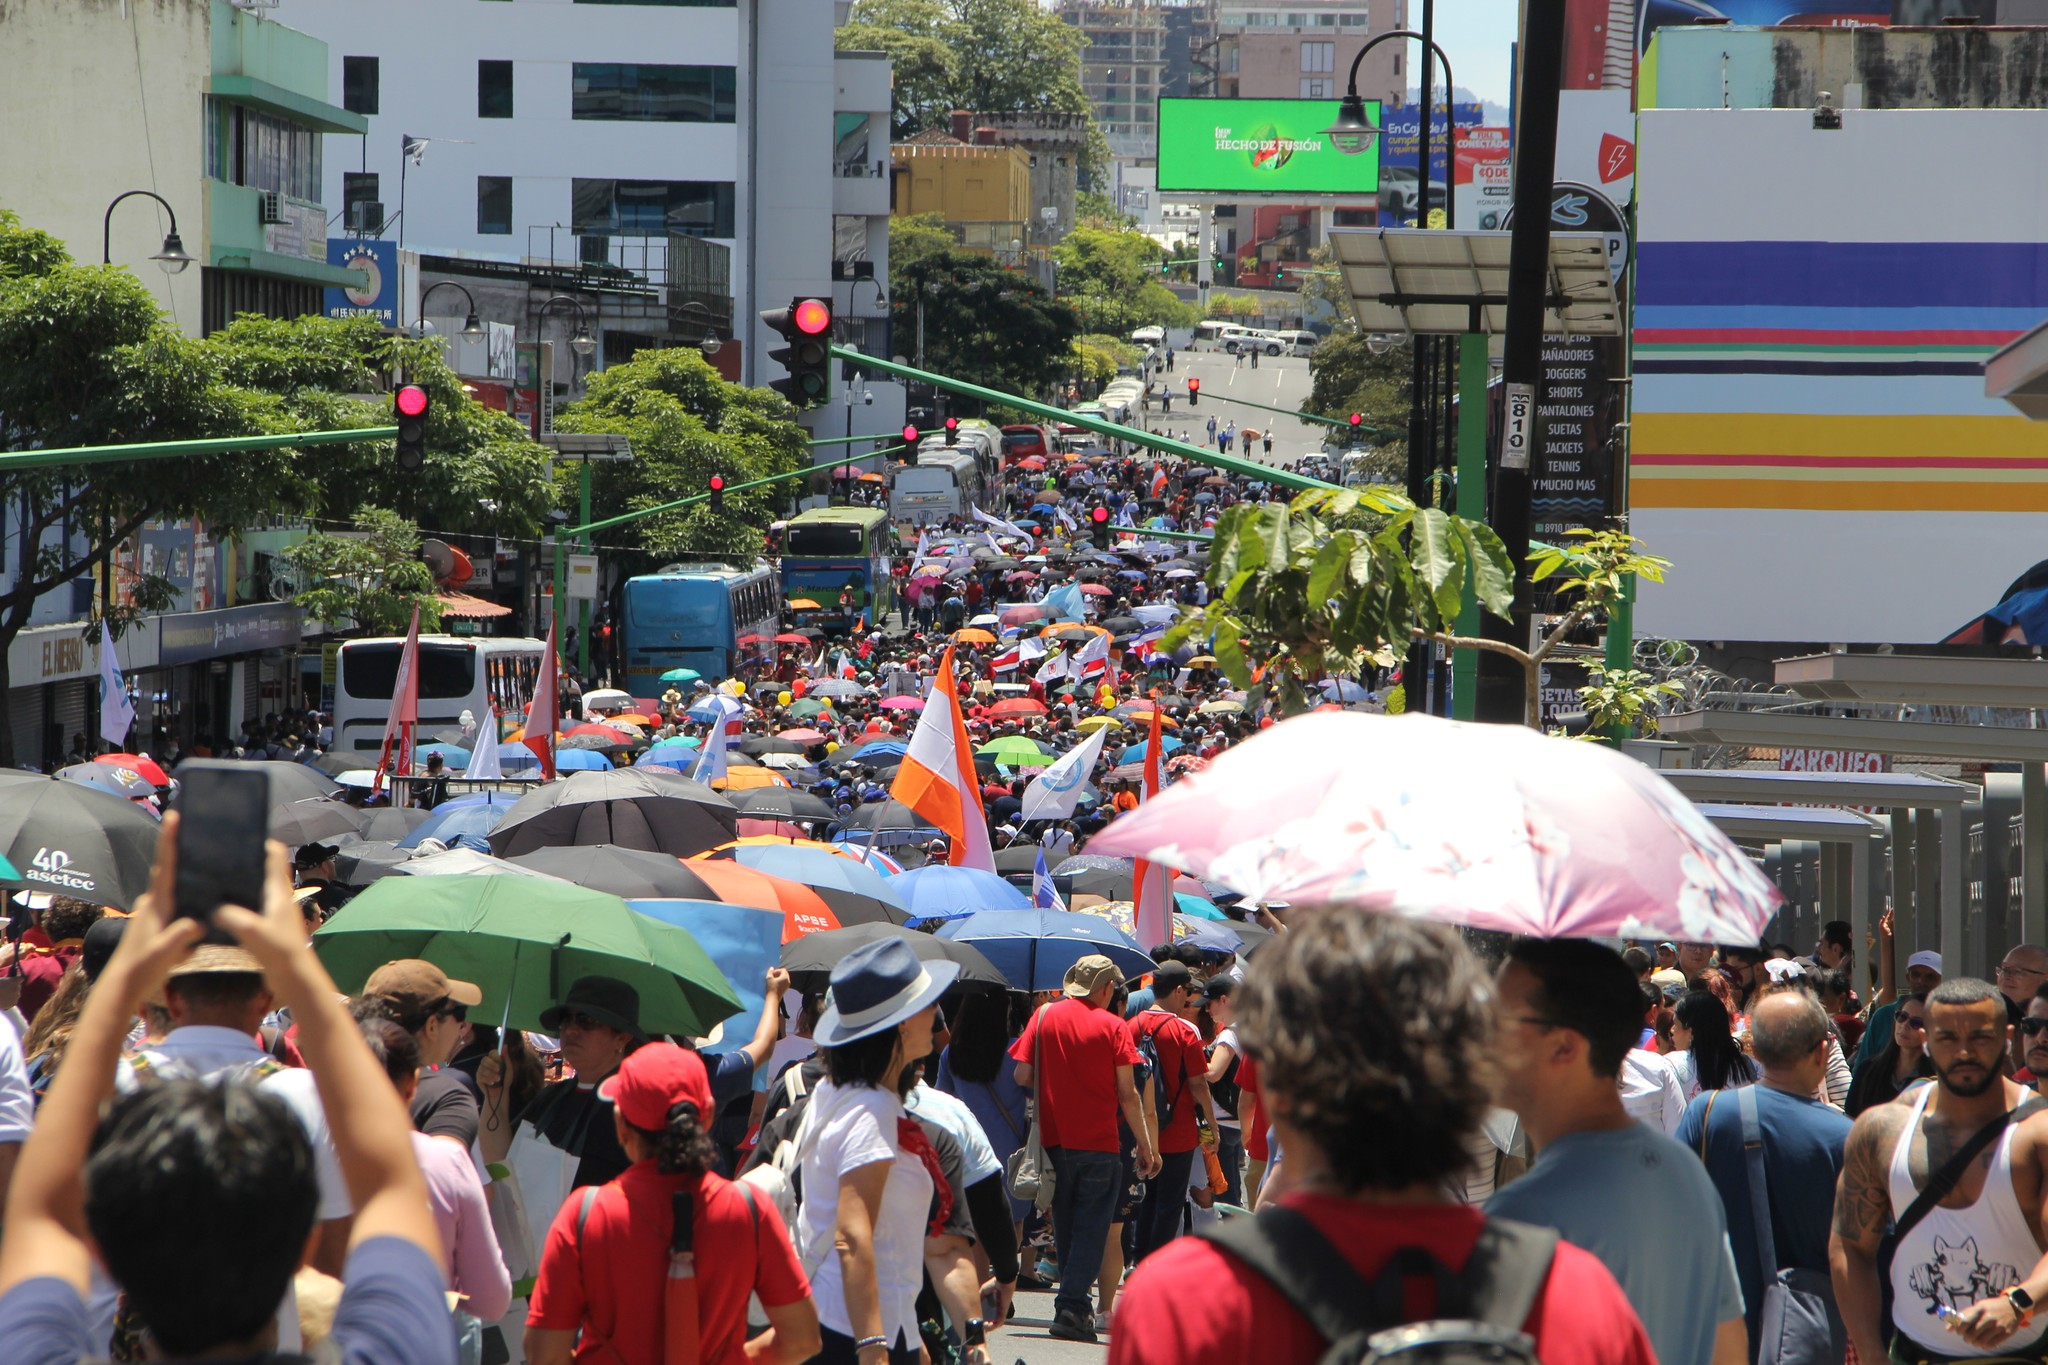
x=1509, y=1265
x=1284, y=1247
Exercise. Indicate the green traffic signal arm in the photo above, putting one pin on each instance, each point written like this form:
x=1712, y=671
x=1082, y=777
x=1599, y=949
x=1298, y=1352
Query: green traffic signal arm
x=1194, y=454
x=170, y=450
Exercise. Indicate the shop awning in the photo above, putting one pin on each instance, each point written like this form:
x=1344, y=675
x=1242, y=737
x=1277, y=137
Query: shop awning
x=470, y=608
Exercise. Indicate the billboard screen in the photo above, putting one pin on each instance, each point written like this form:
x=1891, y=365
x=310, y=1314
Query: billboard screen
x=1216, y=146
x=1812, y=445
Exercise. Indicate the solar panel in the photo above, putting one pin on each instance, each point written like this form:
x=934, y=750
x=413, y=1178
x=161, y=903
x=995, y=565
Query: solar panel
x=1447, y=283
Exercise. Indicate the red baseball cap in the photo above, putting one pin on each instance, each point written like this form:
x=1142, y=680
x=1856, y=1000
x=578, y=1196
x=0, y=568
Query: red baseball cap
x=653, y=1079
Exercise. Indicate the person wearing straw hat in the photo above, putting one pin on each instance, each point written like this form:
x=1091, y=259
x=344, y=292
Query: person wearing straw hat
x=869, y=1174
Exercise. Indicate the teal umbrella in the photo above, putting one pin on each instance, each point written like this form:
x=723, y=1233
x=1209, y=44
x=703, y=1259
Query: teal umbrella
x=522, y=941
x=682, y=675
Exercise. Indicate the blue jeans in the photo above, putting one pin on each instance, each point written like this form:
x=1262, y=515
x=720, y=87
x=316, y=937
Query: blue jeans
x=1230, y=1152
x=1166, y=1194
x=1083, y=1202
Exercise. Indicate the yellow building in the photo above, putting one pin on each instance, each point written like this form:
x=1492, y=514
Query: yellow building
x=933, y=173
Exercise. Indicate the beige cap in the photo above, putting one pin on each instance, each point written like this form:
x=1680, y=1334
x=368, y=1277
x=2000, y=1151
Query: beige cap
x=415, y=986
x=213, y=958
x=1089, y=975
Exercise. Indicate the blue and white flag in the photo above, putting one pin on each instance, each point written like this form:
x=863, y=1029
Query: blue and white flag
x=117, y=713
x=1056, y=793
x=1065, y=603
x=711, y=762
x=1044, y=895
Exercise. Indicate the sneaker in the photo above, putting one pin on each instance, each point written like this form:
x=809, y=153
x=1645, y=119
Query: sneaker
x=1102, y=1322
x=1068, y=1326
x=1047, y=1271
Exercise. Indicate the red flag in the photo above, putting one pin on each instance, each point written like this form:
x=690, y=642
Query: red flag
x=1151, y=883
x=400, y=726
x=546, y=708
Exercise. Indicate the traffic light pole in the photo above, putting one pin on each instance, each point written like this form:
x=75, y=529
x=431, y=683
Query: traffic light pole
x=134, y=451
x=1303, y=416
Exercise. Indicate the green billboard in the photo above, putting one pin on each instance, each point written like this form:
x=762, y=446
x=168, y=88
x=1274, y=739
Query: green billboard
x=1220, y=146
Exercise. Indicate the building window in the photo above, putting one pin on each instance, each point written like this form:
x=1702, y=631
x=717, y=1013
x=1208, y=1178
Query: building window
x=630, y=93
x=692, y=208
x=358, y=187
x=261, y=151
x=494, y=205
x=359, y=84
x=1318, y=89
x=494, y=90
x=1318, y=56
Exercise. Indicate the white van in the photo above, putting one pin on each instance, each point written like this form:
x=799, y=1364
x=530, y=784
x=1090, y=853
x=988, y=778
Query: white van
x=1298, y=342
x=1149, y=336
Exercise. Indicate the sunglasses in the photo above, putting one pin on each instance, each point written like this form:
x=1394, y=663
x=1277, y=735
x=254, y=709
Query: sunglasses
x=451, y=1009
x=578, y=1019
x=2030, y=1027
x=1917, y=1021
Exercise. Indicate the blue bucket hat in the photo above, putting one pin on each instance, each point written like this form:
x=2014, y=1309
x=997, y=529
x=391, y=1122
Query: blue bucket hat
x=876, y=987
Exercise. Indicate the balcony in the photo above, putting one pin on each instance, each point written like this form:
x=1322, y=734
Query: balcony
x=269, y=234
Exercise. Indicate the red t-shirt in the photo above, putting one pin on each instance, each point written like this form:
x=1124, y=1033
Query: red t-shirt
x=1180, y=1058
x=612, y=1286
x=41, y=971
x=1075, y=1073
x=1251, y=1108
x=1194, y=1304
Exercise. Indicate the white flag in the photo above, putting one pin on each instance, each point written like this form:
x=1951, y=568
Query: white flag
x=1055, y=667
x=1093, y=658
x=1012, y=527
x=1055, y=793
x=484, y=759
x=711, y=762
x=117, y=713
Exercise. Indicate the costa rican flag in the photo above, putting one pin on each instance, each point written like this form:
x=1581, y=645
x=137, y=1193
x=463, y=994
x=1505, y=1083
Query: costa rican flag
x=1008, y=660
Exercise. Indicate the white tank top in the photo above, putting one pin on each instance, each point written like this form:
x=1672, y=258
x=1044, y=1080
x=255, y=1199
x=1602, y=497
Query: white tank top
x=1954, y=1257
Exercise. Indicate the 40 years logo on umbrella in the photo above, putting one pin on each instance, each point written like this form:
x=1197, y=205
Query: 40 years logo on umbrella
x=53, y=863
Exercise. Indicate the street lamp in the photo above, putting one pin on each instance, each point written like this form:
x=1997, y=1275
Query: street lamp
x=710, y=343
x=173, y=257
x=580, y=341
x=471, y=328
x=1353, y=132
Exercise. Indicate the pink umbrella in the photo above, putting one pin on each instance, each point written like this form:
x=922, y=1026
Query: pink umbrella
x=802, y=736
x=903, y=703
x=1023, y=613
x=1494, y=826
x=1095, y=590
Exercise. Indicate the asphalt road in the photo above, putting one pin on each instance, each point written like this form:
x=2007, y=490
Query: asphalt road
x=1025, y=1339
x=1278, y=382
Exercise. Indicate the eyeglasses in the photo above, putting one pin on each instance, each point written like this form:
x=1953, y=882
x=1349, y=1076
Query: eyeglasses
x=2030, y=1027
x=452, y=1009
x=1919, y=1021
x=2012, y=969
x=579, y=1020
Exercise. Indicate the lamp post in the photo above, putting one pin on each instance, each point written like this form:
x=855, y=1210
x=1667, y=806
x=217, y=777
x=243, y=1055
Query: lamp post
x=172, y=257
x=582, y=343
x=471, y=328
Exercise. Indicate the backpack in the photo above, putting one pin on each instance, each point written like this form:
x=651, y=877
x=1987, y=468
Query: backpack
x=1148, y=1053
x=1481, y=1309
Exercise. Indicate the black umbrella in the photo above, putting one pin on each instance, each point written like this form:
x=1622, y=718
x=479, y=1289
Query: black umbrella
x=627, y=873
x=335, y=764
x=360, y=862
x=393, y=822
x=311, y=821
x=1101, y=881
x=811, y=958
x=881, y=815
x=1122, y=625
x=73, y=841
x=781, y=803
x=629, y=807
x=292, y=781
x=1017, y=858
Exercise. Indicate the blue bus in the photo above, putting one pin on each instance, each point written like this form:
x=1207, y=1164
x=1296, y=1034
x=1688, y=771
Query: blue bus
x=838, y=557
x=708, y=617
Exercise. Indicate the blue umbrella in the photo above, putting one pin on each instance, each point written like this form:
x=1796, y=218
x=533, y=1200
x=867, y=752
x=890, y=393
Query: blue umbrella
x=487, y=798
x=879, y=749
x=516, y=755
x=741, y=941
x=581, y=761
x=704, y=713
x=453, y=755
x=1216, y=938
x=816, y=868
x=1135, y=753
x=450, y=823
x=1344, y=689
x=1034, y=948
x=1197, y=907
x=942, y=892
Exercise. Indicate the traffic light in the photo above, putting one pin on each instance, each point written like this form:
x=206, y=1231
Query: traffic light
x=411, y=404
x=1194, y=391
x=1099, y=514
x=910, y=435
x=807, y=326
x=1279, y=273
x=1357, y=420
x=952, y=431
x=717, y=487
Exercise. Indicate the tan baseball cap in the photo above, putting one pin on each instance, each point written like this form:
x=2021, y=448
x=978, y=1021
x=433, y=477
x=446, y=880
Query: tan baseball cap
x=209, y=959
x=416, y=986
x=1089, y=975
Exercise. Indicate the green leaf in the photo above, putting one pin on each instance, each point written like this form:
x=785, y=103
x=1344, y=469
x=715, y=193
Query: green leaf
x=1493, y=575
x=1273, y=528
x=1438, y=561
x=1331, y=567
x=1229, y=646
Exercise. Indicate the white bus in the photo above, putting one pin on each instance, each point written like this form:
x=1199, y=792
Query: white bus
x=944, y=483
x=490, y=679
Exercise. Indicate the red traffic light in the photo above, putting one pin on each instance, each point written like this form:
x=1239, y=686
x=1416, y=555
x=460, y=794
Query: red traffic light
x=812, y=316
x=910, y=435
x=952, y=424
x=1098, y=515
x=1357, y=419
x=718, y=483
x=411, y=401
x=1194, y=384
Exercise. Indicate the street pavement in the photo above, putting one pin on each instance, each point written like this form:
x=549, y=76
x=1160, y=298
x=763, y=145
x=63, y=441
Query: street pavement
x=1025, y=1339
x=1279, y=381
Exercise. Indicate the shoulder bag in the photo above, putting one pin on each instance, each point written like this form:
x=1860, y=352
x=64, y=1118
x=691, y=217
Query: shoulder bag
x=1029, y=1172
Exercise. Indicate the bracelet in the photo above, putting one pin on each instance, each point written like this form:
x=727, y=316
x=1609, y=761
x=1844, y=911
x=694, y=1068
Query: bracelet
x=866, y=1342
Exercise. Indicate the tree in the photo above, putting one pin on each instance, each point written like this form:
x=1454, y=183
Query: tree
x=686, y=424
x=914, y=236
x=1347, y=375
x=370, y=582
x=981, y=322
x=86, y=359
x=1111, y=277
x=985, y=56
x=1097, y=358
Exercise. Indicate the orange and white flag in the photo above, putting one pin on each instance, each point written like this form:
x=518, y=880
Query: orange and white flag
x=937, y=780
x=1152, y=883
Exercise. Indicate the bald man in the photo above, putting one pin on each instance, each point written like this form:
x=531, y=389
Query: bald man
x=2021, y=973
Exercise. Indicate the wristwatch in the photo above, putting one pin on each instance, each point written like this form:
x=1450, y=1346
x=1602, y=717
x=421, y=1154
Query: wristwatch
x=976, y=1333
x=2021, y=1300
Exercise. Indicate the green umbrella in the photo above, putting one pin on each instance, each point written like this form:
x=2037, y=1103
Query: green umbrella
x=1014, y=751
x=805, y=709
x=682, y=675
x=531, y=938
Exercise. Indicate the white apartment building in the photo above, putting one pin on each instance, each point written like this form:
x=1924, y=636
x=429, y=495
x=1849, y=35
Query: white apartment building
x=567, y=135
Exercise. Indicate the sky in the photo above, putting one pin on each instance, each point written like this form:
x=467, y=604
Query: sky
x=1476, y=36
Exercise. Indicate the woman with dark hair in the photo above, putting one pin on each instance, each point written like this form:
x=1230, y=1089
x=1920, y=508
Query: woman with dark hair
x=1707, y=1057
x=629, y=1264
x=869, y=1173
x=974, y=1067
x=1888, y=1071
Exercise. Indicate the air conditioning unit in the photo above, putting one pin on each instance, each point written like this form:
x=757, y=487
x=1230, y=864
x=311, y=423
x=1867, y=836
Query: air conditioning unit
x=270, y=208
x=366, y=216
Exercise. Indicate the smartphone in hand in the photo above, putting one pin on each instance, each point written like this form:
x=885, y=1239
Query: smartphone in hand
x=224, y=815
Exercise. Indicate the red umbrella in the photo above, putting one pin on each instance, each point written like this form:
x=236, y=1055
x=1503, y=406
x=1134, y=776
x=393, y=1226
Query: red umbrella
x=792, y=639
x=780, y=829
x=142, y=765
x=802, y=736
x=1017, y=706
x=903, y=703
x=1095, y=590
x=601, y=731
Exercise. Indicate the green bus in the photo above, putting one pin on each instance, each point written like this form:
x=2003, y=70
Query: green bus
x=838, y=557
